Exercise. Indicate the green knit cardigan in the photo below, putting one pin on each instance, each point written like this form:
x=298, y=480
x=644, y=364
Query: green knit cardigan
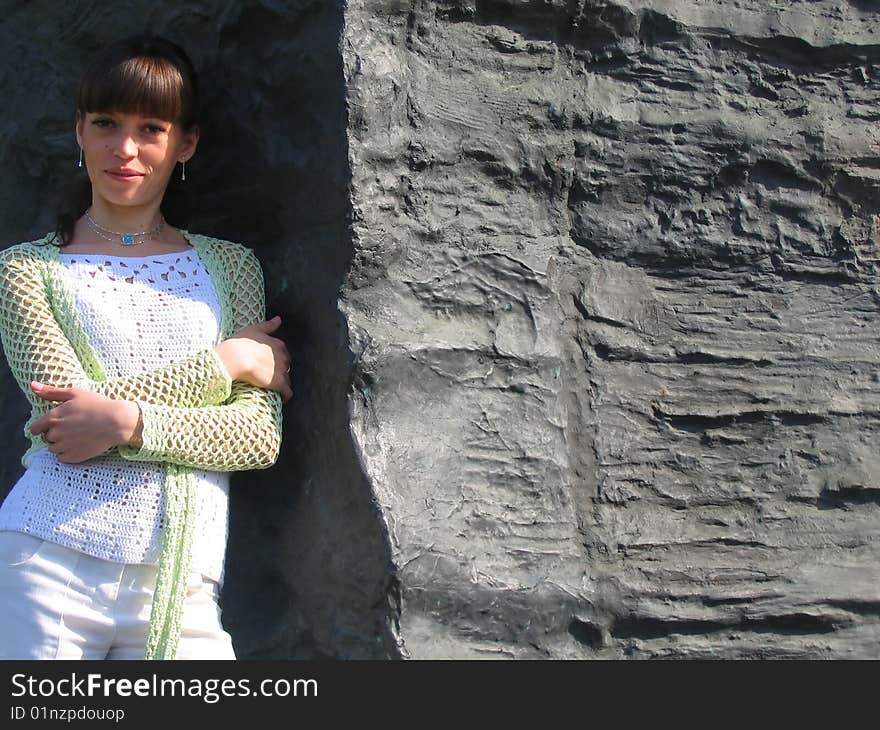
x=194, y=415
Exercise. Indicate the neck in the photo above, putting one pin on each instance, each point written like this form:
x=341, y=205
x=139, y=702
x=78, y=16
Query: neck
x=124, y=218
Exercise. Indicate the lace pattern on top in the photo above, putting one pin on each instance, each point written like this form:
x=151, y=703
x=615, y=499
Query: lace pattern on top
x=194, y=416
x=139, y=314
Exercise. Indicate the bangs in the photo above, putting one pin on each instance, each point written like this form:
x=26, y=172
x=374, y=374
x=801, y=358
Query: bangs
x=147, y=86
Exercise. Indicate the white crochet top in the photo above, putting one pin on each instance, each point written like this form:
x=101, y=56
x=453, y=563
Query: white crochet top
x=139, y=313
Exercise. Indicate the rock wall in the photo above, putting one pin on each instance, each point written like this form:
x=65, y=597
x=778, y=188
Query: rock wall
x=614, y=305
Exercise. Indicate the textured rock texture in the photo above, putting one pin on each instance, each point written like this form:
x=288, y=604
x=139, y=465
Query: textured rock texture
x=307, y=561
x=614, y=303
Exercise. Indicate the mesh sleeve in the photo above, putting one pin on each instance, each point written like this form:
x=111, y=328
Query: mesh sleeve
x=242, y=433
x=38, y=349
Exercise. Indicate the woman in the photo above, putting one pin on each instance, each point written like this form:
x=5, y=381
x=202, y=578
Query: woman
x=151, y=373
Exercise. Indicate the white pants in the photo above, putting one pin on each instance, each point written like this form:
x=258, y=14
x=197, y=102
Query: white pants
x=58, y=603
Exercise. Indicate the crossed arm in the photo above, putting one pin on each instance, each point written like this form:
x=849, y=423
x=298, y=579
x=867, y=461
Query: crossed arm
x=210, y=410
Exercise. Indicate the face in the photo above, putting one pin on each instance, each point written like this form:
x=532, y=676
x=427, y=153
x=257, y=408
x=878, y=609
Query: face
x=130, y=158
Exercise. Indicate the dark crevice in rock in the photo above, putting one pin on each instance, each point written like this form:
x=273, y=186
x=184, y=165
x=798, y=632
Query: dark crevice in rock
x=611, y=353
x=699, y=422
x=846, y=497
x=794, y=623
x=862, y=607
x=700, y=543
x=726, y=601
x=586, y=633
x=646, y=628
x=705, y=358
x=775, y=174
x=790, y=273
x=796, y=52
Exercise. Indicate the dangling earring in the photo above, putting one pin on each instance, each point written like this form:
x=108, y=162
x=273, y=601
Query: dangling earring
x=183, y=171
x=80, y=157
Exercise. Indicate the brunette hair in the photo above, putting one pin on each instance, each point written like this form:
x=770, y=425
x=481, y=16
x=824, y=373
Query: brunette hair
x=146, y=75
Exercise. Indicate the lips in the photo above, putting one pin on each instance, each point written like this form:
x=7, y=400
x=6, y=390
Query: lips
x=124, y=174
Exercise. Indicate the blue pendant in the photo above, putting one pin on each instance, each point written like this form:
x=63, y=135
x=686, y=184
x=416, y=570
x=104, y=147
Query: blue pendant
x=127, y=238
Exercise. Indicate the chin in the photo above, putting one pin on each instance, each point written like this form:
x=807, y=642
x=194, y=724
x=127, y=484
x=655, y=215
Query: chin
x=122, y=200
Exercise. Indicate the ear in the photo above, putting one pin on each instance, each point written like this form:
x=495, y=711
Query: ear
x=80, y=121
x=189, y=143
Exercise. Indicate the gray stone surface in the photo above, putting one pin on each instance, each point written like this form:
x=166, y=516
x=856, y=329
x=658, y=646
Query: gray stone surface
x=614, y=307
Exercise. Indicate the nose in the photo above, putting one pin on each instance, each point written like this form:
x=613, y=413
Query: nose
x=126, y=145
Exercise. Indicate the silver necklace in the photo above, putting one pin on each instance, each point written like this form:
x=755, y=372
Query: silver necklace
x=126, y=239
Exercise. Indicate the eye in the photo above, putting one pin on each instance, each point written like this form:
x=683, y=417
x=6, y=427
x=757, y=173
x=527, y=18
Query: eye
x=154, y=128
x=103, y=122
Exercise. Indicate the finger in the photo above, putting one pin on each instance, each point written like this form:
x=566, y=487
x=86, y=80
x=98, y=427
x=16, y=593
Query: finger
x=281, y=385
x=270, y=325
x=42, y=424
x=50, y=392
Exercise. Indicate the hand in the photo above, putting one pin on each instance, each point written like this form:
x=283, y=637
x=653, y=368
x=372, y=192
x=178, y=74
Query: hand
x=253, y=356
x=85, y=424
